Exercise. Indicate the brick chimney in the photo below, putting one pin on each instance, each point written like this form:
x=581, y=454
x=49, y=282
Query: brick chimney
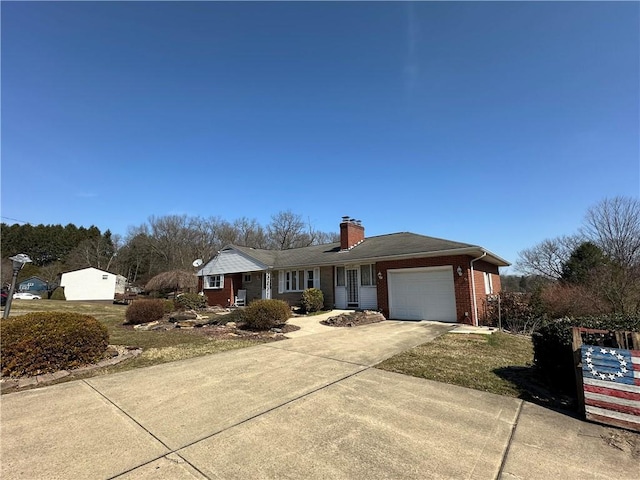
x=351, y=233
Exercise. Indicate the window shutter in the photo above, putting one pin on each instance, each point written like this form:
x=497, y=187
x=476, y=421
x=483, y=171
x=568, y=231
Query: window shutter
x=316, y=278
x=280, y=281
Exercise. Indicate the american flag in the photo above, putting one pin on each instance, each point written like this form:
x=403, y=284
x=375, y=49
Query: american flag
x=611, y=379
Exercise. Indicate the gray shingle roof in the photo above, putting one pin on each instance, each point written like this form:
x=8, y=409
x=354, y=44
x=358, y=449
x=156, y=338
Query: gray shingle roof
x=372, y=248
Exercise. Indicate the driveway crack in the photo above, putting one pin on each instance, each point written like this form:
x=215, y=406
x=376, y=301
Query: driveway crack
x=510, y=441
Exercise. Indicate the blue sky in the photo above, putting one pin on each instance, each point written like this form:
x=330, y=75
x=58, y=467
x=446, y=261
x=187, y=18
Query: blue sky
x=493, y=123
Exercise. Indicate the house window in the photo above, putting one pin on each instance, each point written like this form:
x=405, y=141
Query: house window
x=488, y=283
x=246, y=278
x=214, y=281
x=298, y=280
x=105, y=277
x=294, y=281
x=340, y=276
x=367, y=275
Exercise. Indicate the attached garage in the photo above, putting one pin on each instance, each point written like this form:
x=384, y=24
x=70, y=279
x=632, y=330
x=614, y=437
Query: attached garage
x=422, y=294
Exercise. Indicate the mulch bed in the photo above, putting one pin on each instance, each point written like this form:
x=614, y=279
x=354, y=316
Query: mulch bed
x=353, y=319
x=214, y=325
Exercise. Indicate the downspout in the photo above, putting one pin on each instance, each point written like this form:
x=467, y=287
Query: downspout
x=473, y=289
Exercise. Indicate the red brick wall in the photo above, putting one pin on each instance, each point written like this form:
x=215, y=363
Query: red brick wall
x=479, y=268
x=350, y=234
x=461, y=284
x=224, y=296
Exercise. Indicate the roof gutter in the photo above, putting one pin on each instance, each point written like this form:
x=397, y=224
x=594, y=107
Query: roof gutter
x=473, y=289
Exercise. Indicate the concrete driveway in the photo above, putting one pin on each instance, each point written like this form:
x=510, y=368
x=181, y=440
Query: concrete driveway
x=310, y=407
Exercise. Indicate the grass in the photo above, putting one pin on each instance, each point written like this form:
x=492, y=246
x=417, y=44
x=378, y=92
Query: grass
x=158, y=346
x=492, y=363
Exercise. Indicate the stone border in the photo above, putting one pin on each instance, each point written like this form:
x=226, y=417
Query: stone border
x=124, y=353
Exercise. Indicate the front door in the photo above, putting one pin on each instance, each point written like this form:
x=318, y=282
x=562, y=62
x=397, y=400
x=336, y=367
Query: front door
x=352, y=287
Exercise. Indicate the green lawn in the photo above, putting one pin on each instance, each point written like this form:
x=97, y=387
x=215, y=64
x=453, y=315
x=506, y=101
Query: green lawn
x=158, y=346
x=495, y=363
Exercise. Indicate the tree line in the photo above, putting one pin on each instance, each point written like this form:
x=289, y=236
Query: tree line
x=161, y=244
x=594, y=270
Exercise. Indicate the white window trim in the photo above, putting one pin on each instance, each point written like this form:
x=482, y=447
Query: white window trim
x=488, y=283
x=282, y=279
x=372, y=273
x=207, y=281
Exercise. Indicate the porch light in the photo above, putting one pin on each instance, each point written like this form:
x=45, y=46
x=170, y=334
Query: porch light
x=459, y=270
x=18, y=262
x=379, y=275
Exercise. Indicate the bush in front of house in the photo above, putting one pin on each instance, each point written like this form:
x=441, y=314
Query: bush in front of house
x=169, y=305
x=552, y=352
x=518, y=313
x=46, y=342
x=58, y=294
x=312, y=300
x=266, y=314
x=144, y=311
x=190, y=301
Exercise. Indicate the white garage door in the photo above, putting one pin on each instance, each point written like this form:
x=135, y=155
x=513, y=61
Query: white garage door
x=422, y=294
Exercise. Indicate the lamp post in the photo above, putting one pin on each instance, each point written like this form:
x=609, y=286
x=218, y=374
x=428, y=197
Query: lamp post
x=19, y=261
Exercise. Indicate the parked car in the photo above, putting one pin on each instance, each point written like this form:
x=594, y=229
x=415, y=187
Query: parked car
x=26, y=296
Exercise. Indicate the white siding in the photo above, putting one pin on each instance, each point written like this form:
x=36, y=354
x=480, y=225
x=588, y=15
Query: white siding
x=369, y=298
x=230, y=261
x=341, y=297
x=88, y=284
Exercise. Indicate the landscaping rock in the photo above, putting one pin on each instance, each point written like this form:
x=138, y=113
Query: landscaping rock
x=181, y=316
x=231, y=324
x=354, y=319
x=146, y=326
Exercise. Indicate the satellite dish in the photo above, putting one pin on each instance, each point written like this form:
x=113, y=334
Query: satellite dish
x=197, y=263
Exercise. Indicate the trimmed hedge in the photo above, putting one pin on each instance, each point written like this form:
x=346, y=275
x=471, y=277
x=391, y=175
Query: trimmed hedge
x=45, y=342
x=552, y=344
x=144, y=311
x=190, y=301
x=266, y=314
x=312, y=300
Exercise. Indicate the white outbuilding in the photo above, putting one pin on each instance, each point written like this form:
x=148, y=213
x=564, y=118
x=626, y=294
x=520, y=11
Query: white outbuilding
x=92, y=284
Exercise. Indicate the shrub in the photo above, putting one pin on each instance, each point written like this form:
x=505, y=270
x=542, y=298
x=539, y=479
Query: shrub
x=169, y=305
x=552, y=344
x=238, y=316
x=312, y=300
x=144, y=311
x=265, y=314
x=516, y=311
x=190, y=301
x=58, y=294
x=45, y=342
x=562, y=300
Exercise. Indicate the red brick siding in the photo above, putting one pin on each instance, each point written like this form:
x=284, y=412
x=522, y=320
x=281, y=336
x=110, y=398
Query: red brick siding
x=224, y=296
x=479, y=268
x=462, y=286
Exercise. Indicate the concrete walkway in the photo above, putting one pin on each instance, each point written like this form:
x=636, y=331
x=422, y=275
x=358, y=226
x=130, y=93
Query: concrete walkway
x=309, y=407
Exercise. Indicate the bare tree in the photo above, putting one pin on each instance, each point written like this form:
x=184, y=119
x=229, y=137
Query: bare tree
x=287, y=230
x=614, y=225
x=98, y=252
x=548, y=257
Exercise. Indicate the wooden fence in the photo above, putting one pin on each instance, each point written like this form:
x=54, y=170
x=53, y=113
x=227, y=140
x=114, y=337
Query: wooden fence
x=608, y=376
